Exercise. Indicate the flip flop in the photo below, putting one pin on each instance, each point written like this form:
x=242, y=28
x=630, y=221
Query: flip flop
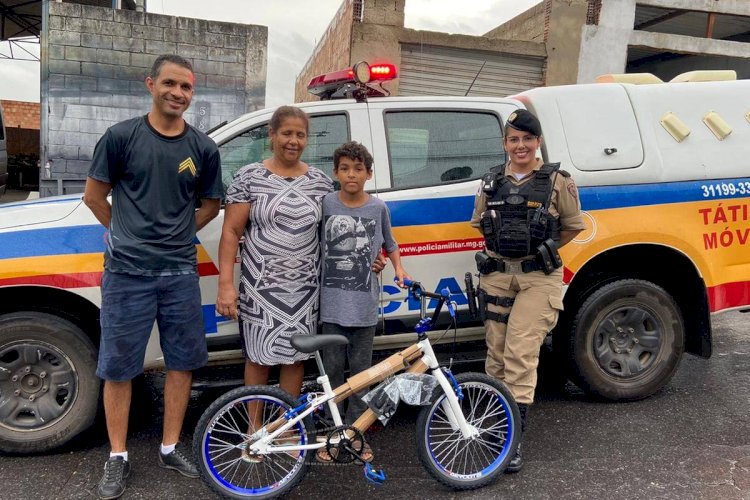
x=367, y=454
x=324, y=457
x=282, y=441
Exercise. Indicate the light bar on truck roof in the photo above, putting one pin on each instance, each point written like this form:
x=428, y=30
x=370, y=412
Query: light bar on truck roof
x=383, y=72
x=328, y=85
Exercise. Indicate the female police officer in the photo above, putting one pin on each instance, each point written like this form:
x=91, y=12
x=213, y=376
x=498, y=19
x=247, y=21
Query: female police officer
x=525, y=210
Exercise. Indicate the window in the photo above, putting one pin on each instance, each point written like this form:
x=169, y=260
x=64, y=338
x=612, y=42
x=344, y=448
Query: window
x=428, y=148
x=249, y=147
x=327, y=132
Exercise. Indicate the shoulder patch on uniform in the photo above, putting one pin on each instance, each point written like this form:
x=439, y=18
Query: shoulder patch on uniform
x=572, y=189
x=564, y=173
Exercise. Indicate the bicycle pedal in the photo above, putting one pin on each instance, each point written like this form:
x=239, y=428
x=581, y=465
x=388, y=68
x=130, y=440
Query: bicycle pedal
x=374, y=476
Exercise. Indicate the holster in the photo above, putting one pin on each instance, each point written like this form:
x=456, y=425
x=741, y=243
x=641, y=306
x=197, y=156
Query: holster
x=485, y=299
x=485, y=263
x=547, y=256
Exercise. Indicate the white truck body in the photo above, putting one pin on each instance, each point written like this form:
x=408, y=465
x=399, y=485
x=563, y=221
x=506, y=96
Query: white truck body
x=665, y=247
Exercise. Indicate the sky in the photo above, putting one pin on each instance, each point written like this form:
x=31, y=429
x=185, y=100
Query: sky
x=294, y=27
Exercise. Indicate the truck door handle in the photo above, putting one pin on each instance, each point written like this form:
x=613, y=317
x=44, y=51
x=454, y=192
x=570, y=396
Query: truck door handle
x=610, y=151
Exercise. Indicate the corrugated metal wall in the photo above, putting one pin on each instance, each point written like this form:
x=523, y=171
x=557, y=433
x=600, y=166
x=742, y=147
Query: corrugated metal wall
x=433, y=70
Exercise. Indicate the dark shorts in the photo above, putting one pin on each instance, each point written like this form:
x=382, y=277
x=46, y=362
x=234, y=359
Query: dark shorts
x=131, y=304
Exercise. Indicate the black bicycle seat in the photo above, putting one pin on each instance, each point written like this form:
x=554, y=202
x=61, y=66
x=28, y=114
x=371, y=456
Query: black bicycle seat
x=312, y=343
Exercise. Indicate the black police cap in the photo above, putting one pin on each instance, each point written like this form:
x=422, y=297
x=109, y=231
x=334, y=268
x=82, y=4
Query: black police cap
x=525, y=122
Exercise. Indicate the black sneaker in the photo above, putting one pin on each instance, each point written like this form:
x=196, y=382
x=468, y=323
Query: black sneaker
x=180, y=460
x=113, y=483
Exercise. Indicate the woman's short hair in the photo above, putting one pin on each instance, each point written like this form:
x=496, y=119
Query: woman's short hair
x=284, y=112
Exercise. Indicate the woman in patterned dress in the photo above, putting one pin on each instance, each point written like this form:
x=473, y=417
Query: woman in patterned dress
x=275, y=205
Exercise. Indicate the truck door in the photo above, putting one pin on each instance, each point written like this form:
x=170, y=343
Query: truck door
x=248, y=142
x=436, y=153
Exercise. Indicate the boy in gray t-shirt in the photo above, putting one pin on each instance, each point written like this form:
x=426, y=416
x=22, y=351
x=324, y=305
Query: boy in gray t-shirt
x=355, y=227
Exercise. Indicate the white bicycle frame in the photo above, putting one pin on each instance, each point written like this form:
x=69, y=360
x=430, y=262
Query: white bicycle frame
x=451, y=406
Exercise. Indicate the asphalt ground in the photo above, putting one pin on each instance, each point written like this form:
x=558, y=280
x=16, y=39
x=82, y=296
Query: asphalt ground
x=689, y=441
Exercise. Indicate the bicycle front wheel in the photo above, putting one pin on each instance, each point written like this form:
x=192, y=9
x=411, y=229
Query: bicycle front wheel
x=223, y=434
x=465, y=464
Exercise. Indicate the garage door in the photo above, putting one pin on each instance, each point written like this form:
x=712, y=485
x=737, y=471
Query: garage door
x=433, y=70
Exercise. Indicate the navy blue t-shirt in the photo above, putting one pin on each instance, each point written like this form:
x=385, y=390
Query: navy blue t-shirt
x=156, y=181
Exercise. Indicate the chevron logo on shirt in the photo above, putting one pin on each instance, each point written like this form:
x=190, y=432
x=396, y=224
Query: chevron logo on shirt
x=187, y=165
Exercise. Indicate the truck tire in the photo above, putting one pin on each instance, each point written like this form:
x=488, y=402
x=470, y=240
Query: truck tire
x=627, y=340
x=49, y=391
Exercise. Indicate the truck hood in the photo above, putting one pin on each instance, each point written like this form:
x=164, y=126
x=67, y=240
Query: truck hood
x=43, y=210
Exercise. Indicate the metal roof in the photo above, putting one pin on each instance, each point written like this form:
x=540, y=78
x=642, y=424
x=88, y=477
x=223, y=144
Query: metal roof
x=20, y=25
x=20, y=18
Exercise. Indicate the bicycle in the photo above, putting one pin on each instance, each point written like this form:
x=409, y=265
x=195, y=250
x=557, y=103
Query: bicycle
x=258, y=441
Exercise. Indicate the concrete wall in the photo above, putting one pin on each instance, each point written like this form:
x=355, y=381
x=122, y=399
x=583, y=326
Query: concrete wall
x=669, y=66
x=385, y=12
x=95, y=64
x=737, y=7
x=564, y=20
x=378, y=43
x=332, y=52
x=374, y=38
x=378, y=38
x=604, y=47
x=528, y=25
x=682, y=44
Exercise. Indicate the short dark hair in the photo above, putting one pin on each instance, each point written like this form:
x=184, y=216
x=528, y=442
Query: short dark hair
x=284, y=112
x=354, y=151
x=168, y=58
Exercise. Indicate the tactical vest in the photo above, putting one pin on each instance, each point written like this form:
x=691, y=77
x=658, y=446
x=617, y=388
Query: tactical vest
x=517, y=219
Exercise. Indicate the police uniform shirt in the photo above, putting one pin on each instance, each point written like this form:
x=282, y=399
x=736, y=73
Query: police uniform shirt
x=564, y=203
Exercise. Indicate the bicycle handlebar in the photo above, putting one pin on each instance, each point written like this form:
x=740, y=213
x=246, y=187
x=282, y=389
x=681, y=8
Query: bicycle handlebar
x=417, y=291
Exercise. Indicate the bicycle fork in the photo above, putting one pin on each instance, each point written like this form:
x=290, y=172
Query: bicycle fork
x=451, y=405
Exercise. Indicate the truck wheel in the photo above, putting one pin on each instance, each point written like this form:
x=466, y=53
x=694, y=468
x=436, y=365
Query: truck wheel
x=49, y=391
x=627, y=340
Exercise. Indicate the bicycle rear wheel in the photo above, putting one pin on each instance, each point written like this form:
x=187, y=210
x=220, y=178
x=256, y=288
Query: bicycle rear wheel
x=223, y=433
x=465, y=464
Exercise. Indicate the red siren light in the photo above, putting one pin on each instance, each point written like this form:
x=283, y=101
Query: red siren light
x=340, y=83
x=383, y=72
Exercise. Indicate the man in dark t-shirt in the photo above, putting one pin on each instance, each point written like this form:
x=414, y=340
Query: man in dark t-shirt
x=159, y=170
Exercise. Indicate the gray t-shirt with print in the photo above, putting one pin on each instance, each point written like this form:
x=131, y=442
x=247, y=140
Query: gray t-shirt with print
x=351, y=240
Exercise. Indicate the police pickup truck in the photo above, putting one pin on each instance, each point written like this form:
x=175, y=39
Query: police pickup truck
x=662, y=176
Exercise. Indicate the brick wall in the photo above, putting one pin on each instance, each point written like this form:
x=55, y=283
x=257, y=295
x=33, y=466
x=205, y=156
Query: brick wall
x=332, y=52
x=97, y=59
x=21, y=114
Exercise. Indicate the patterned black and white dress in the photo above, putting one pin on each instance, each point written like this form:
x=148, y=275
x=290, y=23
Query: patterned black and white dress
x=279, y=287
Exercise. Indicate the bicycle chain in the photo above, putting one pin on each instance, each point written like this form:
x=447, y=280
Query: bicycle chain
x=328, y=430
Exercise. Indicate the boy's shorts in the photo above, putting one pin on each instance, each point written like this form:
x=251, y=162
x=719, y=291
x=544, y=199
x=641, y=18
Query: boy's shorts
x=131, y=304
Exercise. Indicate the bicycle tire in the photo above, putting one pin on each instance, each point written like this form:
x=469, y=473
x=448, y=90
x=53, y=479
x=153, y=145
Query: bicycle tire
x=468, y=464
x=225, y=425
